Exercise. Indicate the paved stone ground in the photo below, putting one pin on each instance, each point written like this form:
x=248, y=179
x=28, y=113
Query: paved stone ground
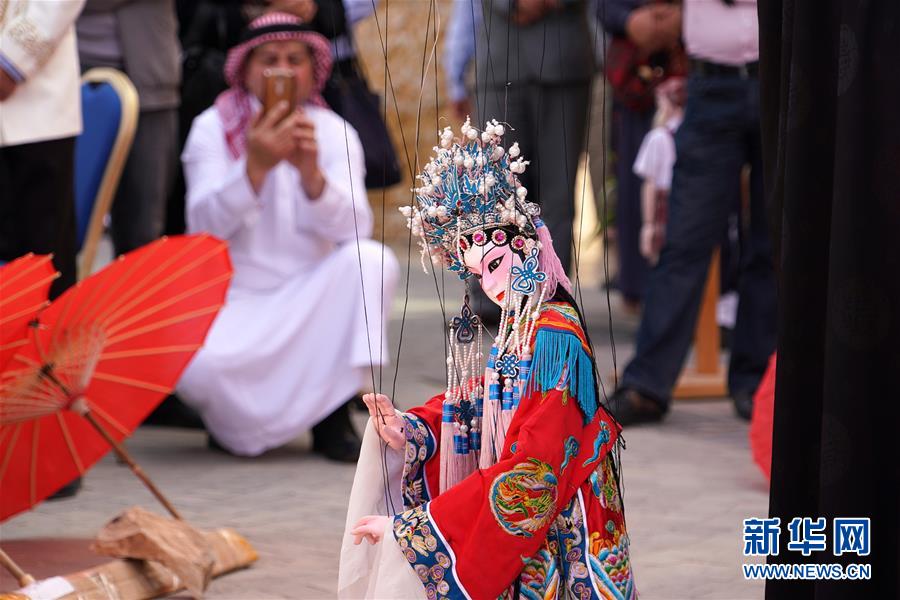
x=688, y=484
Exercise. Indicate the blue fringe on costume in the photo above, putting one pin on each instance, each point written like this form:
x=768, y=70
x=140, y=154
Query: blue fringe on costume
x=553, y=352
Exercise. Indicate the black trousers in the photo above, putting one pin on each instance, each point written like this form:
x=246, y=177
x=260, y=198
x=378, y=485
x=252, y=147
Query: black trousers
x=37, y=205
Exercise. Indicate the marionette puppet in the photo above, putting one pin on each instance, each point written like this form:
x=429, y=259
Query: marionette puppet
x=506, y=485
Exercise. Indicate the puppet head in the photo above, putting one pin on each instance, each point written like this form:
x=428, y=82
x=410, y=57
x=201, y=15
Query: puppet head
x=472, y=216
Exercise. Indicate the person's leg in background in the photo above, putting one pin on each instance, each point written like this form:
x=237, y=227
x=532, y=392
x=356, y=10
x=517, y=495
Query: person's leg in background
x=38, y=205
x=632, y=126
x=139, y=210
x=710, y=146
x=561, y=113
x=755, y=329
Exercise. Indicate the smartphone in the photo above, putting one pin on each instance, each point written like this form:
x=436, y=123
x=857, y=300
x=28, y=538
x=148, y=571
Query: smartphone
x=280, y=84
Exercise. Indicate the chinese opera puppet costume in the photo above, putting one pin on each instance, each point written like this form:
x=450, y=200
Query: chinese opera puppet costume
x=293, y=342
x=506, y=485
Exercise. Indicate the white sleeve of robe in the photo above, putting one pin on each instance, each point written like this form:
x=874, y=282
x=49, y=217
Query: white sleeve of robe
x=342, y=212
x=379, y=571
x=221, y=200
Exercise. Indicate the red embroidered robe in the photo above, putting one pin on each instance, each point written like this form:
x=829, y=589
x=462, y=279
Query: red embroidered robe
x=544, y=521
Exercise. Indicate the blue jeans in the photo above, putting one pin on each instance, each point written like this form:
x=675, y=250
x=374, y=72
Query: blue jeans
x=719, y=135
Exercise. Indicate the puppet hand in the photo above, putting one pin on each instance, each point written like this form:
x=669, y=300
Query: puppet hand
x=388, y=425
x=370, y=528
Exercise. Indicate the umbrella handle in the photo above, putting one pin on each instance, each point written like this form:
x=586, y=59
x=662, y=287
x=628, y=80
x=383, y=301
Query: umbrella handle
x=135, y=468
x=10, y=565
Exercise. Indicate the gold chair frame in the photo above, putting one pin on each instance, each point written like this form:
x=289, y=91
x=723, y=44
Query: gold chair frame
x=109, y=183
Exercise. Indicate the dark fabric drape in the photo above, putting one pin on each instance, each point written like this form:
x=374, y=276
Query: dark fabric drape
x=831, y=142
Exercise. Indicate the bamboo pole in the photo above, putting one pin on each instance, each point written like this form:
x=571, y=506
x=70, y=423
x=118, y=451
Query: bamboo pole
x=15, y=570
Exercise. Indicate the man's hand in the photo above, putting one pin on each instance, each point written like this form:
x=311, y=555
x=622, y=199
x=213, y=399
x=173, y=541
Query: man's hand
x=7, y=85
x=388, y=425
x=305, y=156
x=370, y=528
x=269, y=142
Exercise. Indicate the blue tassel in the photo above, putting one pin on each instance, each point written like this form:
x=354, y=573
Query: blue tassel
x=507, y=402
x=447, y=413
x=553, y=352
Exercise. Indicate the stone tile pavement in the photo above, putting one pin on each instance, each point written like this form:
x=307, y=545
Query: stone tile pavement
x=688, y=484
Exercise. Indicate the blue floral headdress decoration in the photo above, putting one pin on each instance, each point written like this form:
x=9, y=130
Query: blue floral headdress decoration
x=470, y=193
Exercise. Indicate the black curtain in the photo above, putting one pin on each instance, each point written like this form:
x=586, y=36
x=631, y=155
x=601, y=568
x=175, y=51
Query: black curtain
x=830, y=75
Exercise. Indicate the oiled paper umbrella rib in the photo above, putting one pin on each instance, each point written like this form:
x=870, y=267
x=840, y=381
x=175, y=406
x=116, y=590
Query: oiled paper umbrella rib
x=15, y=344
x=30, y=363
x=25, y=312
x=156, y=308
x=5, y=431
x=20, y=273
x=138, y=289
x=32, y=470
x=27, y=405
x=9, y=296
x=201, y=312
x=150, y=351
x=67, y=436
x=29, y=381
x=6, y=277
x=135, y=383
x=108, y=418
x=162, y=284
x=96, y=300
x=9, y=450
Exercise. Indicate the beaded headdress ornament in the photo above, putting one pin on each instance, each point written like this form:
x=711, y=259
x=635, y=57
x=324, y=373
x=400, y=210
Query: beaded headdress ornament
x=470, y=194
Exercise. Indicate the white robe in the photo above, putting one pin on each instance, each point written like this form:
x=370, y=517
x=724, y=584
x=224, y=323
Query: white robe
x=306, y=313
x=380, y=571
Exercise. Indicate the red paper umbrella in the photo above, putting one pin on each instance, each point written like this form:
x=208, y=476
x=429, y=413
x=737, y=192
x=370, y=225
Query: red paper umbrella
x=24, y=285
x=101, y=358
x=763, y=417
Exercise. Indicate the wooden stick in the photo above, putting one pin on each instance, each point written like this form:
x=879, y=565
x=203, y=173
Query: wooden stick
x=10, y=565
x=135, y=468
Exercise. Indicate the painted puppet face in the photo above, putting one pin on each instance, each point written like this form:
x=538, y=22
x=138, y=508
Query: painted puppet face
x=492, y=265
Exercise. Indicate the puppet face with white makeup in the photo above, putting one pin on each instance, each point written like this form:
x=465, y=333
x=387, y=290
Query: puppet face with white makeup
x=491, y=257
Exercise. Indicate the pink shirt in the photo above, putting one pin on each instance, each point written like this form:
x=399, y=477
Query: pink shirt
x=716, y=32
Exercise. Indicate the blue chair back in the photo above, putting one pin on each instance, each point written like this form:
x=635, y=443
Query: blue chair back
x=101, y=113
